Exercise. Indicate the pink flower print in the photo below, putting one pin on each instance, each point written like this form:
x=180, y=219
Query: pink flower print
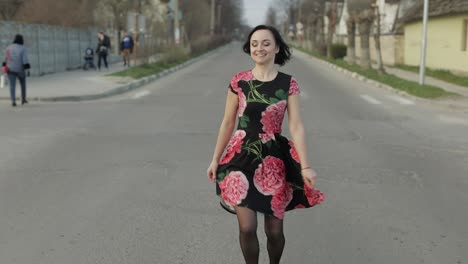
x=234, y=188
x=241, y=76
x=299, y=206
x=234, y=146
x=293, y=152
x=242, y=103
x=270, y=176
x=314, y=196
x=281, y=200
x=272, y=118
x=293, y=87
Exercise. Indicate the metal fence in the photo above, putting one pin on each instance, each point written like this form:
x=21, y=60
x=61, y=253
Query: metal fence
x=50, y=48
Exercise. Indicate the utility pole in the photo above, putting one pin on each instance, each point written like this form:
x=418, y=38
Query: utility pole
x=422, y=66
x=212, y=22
x=135, y=40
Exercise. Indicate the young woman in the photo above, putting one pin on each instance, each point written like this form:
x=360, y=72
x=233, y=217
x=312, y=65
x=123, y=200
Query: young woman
x=262, y=171
x=15, y=65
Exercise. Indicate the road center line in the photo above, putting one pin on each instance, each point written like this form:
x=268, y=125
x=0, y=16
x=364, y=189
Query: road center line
x=401, y=100
x=141, y=94
x=370, y=99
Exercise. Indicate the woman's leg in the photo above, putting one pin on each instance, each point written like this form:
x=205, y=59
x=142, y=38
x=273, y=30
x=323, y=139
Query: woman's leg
x=248, y=234
x=99, y=61
x=12, y=80
x=275, y=238
x=23, y=89
x=105, y=60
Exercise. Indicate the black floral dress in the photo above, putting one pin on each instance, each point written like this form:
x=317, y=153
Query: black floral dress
x=260, y=169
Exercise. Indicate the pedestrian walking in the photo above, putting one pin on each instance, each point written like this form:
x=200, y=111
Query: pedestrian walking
x=16, y=66
x=126, y=48
x=261, y=170
x=103, y=49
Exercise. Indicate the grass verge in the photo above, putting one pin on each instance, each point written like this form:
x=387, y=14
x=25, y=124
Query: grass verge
x=443, y=75
x=171, y=57
x=413, y=88
x=140, y=71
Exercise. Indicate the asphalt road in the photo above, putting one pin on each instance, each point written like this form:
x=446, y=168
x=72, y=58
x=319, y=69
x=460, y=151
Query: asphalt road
x=123, y=180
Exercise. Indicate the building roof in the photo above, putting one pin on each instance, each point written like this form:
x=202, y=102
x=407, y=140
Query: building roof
x=436, y=8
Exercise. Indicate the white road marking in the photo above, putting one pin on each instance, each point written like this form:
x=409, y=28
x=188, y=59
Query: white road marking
x=453, y=120
x=370, y=99
x=141, y=94
x=401, y=100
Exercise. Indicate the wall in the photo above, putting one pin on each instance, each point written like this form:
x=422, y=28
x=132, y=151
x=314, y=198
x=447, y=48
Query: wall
x=392, y=47
x=444, y=44
x=50, y=48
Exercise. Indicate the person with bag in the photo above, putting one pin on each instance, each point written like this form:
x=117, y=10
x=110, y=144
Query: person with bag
x=262, y=171
x=16, y=65
x=102, y=49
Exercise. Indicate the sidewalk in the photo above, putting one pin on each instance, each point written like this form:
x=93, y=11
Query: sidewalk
x=411, y=76
x=454, y=103
x=71, y=84
x=459, y=103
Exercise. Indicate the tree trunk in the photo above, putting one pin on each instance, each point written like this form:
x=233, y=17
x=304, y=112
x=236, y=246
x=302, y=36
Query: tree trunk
x=380, y=67
x=351, y=28
x=365, y=23
x=312, y=36
x=321, y=47
x=329, y=39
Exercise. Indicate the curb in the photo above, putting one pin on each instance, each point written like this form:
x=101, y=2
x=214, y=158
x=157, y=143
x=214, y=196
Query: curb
x=463, y=106
x=121, y=89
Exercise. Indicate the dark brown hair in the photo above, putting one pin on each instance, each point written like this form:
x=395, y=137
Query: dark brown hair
x=284, y=53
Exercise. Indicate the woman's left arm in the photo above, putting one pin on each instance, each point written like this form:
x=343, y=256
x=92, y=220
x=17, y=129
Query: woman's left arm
x=298, y=134
x=25, y=59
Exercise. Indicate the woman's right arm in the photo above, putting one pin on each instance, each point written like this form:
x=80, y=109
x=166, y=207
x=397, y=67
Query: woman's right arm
x=224, y=134
x=227, y=125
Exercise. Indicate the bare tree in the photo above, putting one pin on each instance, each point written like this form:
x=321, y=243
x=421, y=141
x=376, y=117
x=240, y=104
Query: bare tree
x=312, y=15
x=364, y=18
x=331, y=14
x=64, y=12
x=9, y=8
x=351, y=31
x=271, y=16
x=380, y=67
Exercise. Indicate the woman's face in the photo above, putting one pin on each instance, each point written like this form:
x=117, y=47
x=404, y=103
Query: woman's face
x=263, y=47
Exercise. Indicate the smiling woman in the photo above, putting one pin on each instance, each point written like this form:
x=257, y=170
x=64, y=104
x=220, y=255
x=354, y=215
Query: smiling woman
x=261, y=170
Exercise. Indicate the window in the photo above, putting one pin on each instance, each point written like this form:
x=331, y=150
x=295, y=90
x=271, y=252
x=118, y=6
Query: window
x=465, y=35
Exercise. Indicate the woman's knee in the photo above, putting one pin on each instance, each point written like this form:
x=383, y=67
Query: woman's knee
x=274, y=233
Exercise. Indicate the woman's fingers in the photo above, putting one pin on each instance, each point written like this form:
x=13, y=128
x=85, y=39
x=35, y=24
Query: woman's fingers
x=211, y=175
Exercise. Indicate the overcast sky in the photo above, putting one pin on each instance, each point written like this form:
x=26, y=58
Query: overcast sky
x=255, y=11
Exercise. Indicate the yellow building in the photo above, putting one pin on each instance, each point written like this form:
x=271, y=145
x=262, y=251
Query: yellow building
x=447, y=35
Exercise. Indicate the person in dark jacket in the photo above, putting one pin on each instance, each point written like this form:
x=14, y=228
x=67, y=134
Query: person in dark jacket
x=126, y=48
x=103, y=49
x=15, y=65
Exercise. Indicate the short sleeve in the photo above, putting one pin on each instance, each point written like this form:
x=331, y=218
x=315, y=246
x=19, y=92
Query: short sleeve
x=293, y=87
x=233, y=86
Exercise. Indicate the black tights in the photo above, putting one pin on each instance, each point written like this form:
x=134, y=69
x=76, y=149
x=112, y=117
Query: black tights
x=248, y=236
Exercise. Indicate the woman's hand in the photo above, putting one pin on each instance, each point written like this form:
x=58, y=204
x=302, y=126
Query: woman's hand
x=211, y=172
x=309, y=176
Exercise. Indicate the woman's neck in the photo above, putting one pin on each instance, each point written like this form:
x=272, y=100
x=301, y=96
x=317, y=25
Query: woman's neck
x=264, y=72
